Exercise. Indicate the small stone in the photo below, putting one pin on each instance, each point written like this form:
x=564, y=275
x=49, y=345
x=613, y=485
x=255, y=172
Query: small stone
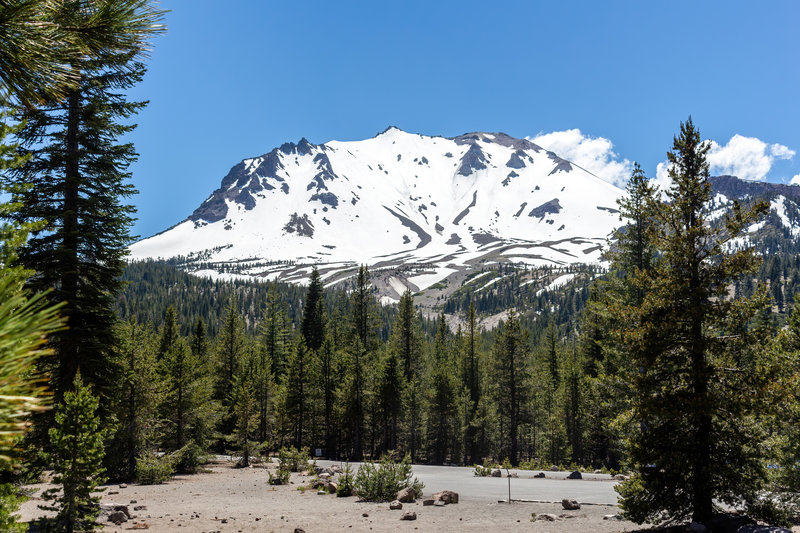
x=299, y=530
x=409, y=515
x=546, y=517
x=113, y=492
x=123, y=486
x=540, y=475
x=395, y=505
x=406, y=495
x=612, y=517
x=570, y=505
x=140, y=508
x=439, y=503
x=447, y=496
x=365, y=515
x=566, y=515
x=496, y=472
x=117, y=517
x=554, y=468
x=575, y=475
x=428, y=502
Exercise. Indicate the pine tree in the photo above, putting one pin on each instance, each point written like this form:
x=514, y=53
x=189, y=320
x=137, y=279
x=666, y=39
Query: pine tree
x=230, y=349
x=441, y=398
x=169, y=332
x=510, y=360
x=313, y=325
x=296, y=389
x=390, y=392
x=186, y=395
x=694, y=377
x=137, y=397
x=246, y=412
x=75, y=178
x=76, y=442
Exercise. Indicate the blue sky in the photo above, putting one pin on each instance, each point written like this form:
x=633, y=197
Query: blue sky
x=612, y=79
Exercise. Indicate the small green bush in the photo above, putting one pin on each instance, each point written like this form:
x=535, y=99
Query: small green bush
x=380, y=482
x=293, y=459
x=345, y=487
x=485, y=469
x=188, y=459
x=281, y=477
x=10, y=498
x=152, y=469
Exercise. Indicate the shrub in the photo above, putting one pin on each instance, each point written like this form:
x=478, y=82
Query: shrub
x=485, y=469
x=188, y=459
x=152, y=469
x=380, y=482
x=10, y=499
x=345, y=488
x=281, y=477
x=293, y=459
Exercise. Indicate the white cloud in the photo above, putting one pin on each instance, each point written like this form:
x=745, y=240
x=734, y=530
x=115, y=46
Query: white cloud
x=662, y=178
x=795, y=180
x=747, y=158
x=595, y=154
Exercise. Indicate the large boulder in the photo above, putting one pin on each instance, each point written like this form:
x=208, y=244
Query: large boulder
x=575, y=475
x=405, y=495
x=447, y=496
x=570, y=505
x=496, y=472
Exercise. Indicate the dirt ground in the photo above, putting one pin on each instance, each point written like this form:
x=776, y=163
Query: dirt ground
x=227, y=499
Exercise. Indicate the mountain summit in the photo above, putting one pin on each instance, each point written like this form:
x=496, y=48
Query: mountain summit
x=421, y=207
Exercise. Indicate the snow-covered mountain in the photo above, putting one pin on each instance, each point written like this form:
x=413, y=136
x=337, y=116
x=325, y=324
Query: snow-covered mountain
x=419, y=208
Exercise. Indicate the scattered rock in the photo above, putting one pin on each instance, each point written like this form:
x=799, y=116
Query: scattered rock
x=336, y=469
x=598, y=471
x=496, y=472
x=325, y=475
x=299, y=530
x=447, y=496
x=439, y=503
x=140, y=525
x=428, y=502
x=546, y=517
x=554, y=468
x=621, y=477
x=409, y=515
x=123, y=486
x=697, y=527
x=117, y=517
x=570, y=505
x=539, y=475
x=395, y=505
x=113, y=492
x=365, y=515
x=333, y=487
x=575, y=475
x=566, y=515
x=612, y=517
x=406, y=495
x=140, y=508
x=513, y=474
x=321, y=492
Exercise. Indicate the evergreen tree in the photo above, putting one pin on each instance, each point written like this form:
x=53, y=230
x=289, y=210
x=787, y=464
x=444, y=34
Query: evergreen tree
x=511, y=387
x=230, y=349
x=246, y=412
x=275, y=334
x=137, y=397
x=313, y=325
x=296, y=389
x=169, y=332
x=441, y=398
x=695, y=384
x=75, y=179
x=76, y=442
x=186, y=395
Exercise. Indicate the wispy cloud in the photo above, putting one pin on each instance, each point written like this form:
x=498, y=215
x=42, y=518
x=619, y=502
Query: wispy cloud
x=595, y=154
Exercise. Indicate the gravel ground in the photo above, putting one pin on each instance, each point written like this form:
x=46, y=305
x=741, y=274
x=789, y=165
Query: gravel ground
x=227, y=499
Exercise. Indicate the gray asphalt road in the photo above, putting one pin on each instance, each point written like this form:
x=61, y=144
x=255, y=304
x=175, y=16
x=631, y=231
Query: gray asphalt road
x=594, y=488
